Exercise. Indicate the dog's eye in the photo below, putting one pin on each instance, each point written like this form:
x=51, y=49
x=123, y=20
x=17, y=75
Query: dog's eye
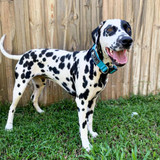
x=128, y=29
x=109, y=29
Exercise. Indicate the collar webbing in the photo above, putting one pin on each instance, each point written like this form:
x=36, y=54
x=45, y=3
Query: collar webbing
x=104, y=68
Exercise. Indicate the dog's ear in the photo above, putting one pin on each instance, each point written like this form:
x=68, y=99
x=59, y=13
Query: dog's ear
x=96, y=32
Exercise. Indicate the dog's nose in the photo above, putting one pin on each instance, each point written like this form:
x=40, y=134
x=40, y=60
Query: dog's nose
x=126, y=41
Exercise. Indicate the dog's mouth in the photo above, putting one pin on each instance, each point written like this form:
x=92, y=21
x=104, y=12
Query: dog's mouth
x=119, y=58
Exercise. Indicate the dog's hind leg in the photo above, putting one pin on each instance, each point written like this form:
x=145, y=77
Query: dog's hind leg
x=39, y=84
x=18, y=90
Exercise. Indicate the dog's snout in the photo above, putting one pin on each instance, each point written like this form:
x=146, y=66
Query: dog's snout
x=126, y=41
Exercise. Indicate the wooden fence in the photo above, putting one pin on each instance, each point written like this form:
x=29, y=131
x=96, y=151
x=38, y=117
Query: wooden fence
x=67, y=24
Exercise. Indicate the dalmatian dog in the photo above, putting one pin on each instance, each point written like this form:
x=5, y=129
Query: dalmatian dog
x=83, y=74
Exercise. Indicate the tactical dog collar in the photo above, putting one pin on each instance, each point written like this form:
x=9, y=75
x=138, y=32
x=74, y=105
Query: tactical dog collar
x=104, y=68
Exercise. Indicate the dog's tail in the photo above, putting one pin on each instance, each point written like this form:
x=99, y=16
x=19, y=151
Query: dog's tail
x=5, y=53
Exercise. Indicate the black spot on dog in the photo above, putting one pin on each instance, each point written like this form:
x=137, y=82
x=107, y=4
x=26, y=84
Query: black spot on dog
x=95, y=85
x=83, y=109
x=91, y=71
x=61, y=65
x=54, y=69
x=41, y=65
x=67, y=79
x=13, y=111
x=75, y=53
x=16, y=75
x=21, y=60
x=34, y=57
x=37, y=85
x=84, y=95
x=97, y=93
x=23, y=81
x=73, y=85
x=84, y=124
x=65, y=86
x=25, y=64
x=88, y=113
x=28, y=74
x=44, y=51
x=27, y=55
x=54, y=57
x=73, y=70
x=68, y=65
x=90, y=103
x=18, y=85
x=56, y=78
x=42, y=70
x=102, y=80
x=85, y=82
x=28, y=64
x=44, y=59
x=69, y=56
x=22, y=76
x=49, y=54
x=57, y=50
x=82, y=102
x=19, y=93
x=87, y=56
x=62, y=58
x=86, y=69
x=95, y=73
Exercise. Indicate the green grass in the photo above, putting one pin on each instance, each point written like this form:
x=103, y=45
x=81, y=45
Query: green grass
x=55, y=134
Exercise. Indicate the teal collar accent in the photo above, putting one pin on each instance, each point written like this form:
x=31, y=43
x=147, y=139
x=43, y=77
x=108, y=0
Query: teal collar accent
x=104, y=68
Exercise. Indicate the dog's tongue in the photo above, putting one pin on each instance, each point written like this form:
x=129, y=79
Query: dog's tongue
x=120, y=56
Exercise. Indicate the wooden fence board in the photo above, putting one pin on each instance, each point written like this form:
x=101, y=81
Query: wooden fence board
x=8, y=27
x=154, y=65
x=136, y=56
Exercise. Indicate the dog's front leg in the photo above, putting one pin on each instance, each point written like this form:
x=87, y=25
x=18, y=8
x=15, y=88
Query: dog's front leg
x=82, y=111
x=91, y=106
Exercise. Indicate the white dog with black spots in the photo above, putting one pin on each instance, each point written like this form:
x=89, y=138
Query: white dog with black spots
x=83, y=74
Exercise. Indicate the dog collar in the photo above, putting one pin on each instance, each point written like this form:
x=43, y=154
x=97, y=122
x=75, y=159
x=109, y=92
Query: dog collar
x=104, y=68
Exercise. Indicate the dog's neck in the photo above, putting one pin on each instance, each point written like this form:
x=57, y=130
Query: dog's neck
x=99, y=58
x=103, y=56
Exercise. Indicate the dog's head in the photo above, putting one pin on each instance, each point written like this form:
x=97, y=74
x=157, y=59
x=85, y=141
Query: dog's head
x=114, y=38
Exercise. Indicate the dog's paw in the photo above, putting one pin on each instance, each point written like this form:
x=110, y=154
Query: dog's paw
x=9, y=127
x=40, y=111
x=87, y=147
x=94, y=134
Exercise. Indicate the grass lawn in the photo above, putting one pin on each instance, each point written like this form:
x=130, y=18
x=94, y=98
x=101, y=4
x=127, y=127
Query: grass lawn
x=55, y=133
